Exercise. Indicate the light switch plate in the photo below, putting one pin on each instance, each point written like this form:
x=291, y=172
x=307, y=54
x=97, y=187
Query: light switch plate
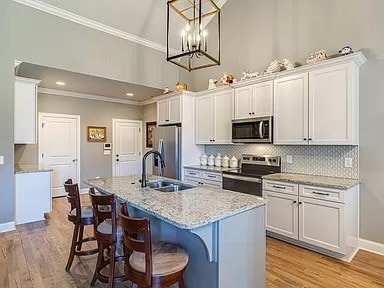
x=1, y=160
x=289, y=159
x=348, y=162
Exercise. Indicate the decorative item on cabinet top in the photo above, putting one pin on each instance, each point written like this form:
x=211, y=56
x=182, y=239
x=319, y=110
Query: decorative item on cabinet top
x=181, y=87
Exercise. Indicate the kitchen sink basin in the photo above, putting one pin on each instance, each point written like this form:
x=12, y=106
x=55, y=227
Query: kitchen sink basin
x=168, y=186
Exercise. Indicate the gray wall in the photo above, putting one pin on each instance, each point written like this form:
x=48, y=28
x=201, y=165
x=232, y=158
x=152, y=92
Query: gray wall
x=50, y=41
x=92, y=113
x=254, y=32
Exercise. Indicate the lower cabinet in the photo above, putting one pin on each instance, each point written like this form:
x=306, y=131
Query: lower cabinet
x=200, y=177
x=33, y=196
x=324, y=218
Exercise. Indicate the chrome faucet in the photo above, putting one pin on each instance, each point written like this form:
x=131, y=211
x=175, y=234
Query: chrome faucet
x=144, y=168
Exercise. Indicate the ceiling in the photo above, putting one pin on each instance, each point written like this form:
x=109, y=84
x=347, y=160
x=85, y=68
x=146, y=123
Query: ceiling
x=85, y=84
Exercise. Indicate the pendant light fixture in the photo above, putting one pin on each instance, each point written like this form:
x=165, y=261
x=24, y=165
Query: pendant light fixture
x=193, y=31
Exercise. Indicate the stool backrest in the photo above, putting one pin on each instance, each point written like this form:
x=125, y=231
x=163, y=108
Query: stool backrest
x=73, y=197
x=137, y=238
x=104, y=208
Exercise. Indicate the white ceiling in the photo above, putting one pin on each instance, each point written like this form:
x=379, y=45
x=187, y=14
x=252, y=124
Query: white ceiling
x=85, y=84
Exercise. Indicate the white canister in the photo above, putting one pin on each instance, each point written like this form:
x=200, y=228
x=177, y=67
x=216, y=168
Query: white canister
x=211, y=160
x=203, y=159
x=233, y=163
x=225, y=161
x=218, y=160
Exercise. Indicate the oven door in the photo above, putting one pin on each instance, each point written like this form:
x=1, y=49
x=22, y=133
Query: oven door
x=243, y=184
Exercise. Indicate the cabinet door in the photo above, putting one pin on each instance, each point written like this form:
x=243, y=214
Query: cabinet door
x=331, y=106
x=322, y=223
x=282, y=214
x=25, y=113
x=204, y=119
x=262, y=99
x=291, y=110
x=222, y=117
x=175, y=110
x=243, y=102
x=163, y=112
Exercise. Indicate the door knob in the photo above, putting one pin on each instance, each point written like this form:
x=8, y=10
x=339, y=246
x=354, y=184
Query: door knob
x=117, y=155
x=117, y=160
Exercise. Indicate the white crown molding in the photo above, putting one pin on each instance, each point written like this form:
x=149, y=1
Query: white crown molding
x=53, y=10
x=17, y=63
x=87, y=96
x=374, y=247
x=6, y=227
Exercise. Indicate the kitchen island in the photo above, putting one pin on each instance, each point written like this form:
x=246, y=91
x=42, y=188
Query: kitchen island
x=223, y=231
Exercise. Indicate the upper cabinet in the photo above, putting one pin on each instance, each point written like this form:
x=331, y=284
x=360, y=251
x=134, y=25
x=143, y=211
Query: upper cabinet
x=213, y=117
x=25, y=110
x=320, y=105
x=254, y=100
x=169, y=111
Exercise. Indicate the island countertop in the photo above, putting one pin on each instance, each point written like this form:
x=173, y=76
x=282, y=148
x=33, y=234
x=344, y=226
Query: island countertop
x=187, y=209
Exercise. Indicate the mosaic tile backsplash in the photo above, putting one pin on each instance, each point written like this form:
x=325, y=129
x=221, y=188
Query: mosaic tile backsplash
x=313, y=160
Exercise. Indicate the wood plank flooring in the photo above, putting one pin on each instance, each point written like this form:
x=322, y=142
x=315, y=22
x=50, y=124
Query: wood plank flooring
x=35, y=255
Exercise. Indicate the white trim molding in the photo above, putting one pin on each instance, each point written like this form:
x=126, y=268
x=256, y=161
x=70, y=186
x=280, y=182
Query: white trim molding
x=53, y=10
x=6, y=227
x=17, y=63
x=374, y=247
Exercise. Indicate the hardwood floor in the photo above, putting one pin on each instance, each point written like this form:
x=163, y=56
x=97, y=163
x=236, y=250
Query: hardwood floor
x=35, y=255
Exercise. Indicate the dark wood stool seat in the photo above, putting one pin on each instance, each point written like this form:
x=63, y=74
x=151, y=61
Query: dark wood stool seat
x=79, y=220
x=147, y=265
x=109, y=235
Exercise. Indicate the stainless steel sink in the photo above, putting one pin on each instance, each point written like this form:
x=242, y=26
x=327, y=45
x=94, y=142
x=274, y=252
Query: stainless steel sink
x=168, y=186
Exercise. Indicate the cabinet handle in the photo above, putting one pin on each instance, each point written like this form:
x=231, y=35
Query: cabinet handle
x=319, y=193
x=250, y=113
x=117, y=160
x=211, y=176
x=310, y=139
x=305, y=139
x=167, y=120
x=253, y=113
x=279, y=187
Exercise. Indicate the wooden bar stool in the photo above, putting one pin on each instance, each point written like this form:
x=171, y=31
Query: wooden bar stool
x=80, y=217
x=108, y=234
x=159, y=265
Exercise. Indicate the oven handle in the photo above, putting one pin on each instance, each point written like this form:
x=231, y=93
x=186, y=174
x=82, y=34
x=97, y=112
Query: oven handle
x=243, y=178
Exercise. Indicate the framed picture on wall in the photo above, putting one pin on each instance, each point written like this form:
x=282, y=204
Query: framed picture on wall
x=148, y=134
x=97, y=134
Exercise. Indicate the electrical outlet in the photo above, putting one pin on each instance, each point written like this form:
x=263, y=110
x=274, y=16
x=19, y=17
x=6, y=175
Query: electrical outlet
x=1, y=160
x=289, y=159
x=348, y=162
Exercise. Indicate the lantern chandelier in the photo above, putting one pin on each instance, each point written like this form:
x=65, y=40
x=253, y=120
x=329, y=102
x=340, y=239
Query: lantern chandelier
x=187, y=29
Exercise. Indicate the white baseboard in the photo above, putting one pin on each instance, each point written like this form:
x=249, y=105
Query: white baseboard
x=9, y=226
x=374, y=247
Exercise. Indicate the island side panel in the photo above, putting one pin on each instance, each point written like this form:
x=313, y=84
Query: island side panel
x=242, y=250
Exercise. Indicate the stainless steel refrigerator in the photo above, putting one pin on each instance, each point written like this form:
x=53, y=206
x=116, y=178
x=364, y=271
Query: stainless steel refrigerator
x=167, y=140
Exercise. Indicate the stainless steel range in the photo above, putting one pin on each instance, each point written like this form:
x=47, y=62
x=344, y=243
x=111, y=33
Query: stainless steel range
x=248, y=179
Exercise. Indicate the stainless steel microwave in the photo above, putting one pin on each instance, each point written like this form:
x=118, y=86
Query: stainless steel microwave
x=255, y=130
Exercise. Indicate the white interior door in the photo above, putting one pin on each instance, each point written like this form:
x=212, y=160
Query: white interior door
x=127, y=148
x=59, y=148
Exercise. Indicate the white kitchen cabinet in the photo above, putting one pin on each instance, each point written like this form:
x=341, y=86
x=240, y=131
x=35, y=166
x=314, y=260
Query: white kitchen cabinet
x=333, y=106
x=214, y=118
x=200, y=177
x=169, y=111
x=320, y=218
x=291, y=110
x=320, y=106
x=282, y=215
x=33, y=196
x=254, y=100
x=323, y=224
x=25, y=110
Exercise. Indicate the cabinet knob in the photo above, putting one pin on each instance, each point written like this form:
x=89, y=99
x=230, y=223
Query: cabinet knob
x=300, y=203
x=117, y=160
x=305, y=139
x=295, y=202
x=167, y=120
x=253, y=113
x=310, y=139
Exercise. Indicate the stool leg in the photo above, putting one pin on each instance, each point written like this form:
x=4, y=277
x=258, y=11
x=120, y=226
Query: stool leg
x=73, y=247
x=181, y=283
x=112, y=266
x=81, y=233
x=99, y=263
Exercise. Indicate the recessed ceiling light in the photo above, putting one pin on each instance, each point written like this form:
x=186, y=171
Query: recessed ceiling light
x=60, y=83
x=130, y=94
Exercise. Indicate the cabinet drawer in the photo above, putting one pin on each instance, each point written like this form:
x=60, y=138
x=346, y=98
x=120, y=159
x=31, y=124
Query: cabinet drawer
x=212, y=176
x=192, y=173
x=282, y=187
x=329, y=194
x=202, y=182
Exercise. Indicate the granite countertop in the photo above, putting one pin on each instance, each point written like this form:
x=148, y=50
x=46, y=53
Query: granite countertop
x=210, y=168
x=186, y=209
x=30, y=168
x=323, y=181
